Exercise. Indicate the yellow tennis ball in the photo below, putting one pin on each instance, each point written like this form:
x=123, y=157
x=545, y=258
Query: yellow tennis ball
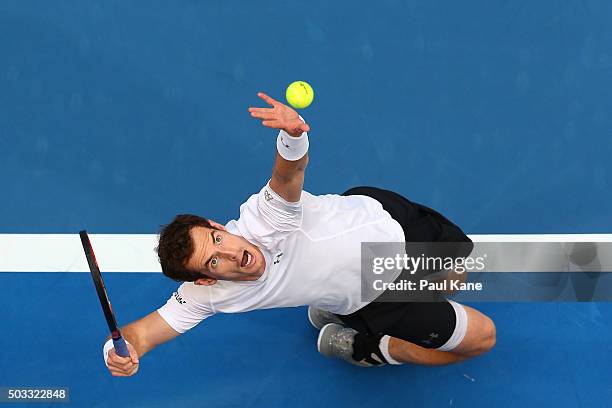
x=299, y=94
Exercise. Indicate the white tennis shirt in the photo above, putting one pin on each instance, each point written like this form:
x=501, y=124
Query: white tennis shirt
x=313, y=257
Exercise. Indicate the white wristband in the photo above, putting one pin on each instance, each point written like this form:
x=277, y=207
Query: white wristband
x=292, y=148
x=107, y=348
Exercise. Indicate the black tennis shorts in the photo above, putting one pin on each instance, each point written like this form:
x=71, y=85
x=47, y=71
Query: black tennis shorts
x=411, y=321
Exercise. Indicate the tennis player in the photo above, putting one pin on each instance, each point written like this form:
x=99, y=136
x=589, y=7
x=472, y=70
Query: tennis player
x=291, y=248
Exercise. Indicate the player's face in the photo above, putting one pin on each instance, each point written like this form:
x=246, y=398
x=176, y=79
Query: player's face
x=224, y=256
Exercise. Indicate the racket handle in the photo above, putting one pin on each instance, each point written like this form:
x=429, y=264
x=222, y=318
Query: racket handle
x=120, y=347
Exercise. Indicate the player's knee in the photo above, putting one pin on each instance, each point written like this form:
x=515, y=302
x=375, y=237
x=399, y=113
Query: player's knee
x=488, y=336
x=482, y=338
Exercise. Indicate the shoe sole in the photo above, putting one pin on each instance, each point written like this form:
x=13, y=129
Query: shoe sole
x=312, y=322
x=320, y=327
x=321, y=335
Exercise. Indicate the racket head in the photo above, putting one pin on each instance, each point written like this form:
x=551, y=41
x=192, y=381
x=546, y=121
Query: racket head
x=99, y=285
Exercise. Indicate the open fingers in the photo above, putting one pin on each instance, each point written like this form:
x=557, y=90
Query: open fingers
x=268, y=99
x=263, y=115
x=271, y=123
x=261, y=110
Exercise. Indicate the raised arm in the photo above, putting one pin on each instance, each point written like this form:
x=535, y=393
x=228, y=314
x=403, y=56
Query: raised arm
x=288, y=173
x=142, y=335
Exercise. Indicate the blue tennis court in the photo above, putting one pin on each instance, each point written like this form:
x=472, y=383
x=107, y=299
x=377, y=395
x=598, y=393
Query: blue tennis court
x=115, y=117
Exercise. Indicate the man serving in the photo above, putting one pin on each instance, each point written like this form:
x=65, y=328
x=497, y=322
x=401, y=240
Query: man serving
x=291, y=248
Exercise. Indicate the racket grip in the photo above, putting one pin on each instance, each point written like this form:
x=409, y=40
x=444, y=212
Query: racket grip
x=120, y=347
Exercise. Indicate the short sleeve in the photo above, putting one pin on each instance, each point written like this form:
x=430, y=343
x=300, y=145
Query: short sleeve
x=187, y=307
x=266, y=217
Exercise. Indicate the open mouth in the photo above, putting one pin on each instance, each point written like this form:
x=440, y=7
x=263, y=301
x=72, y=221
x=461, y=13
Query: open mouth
x=247, y=259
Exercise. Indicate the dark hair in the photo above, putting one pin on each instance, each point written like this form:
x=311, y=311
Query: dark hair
x=176, y=246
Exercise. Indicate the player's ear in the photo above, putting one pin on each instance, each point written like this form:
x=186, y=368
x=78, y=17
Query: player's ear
x=205, y=281
x=216, y=225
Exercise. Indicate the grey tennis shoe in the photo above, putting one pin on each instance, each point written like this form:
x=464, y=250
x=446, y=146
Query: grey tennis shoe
x=336, y=340
x=319, y=318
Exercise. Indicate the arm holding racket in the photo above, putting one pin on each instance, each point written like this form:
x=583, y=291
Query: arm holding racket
x=142, y=336
x=121, y=356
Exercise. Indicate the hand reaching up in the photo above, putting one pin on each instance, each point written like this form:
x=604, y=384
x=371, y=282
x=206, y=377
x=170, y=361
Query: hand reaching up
x=279, y=116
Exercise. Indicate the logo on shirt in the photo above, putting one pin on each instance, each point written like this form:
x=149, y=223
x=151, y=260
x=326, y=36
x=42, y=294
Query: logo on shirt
x=277, y=258
x=179, y=298
x=268, y=196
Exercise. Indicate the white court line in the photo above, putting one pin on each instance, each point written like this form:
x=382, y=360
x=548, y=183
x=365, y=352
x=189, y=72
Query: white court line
x=64, y=253
x=135, y=252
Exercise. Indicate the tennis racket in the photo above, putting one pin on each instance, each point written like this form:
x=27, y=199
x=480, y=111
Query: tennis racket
x=118, y=341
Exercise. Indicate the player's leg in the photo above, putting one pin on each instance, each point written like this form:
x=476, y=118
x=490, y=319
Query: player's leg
x=433, y=333
x=478, y=338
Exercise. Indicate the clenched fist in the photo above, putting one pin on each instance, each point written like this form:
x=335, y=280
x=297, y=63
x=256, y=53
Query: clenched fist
x=123, y=366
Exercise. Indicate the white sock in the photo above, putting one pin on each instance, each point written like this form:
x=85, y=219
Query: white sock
x=383, y=345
